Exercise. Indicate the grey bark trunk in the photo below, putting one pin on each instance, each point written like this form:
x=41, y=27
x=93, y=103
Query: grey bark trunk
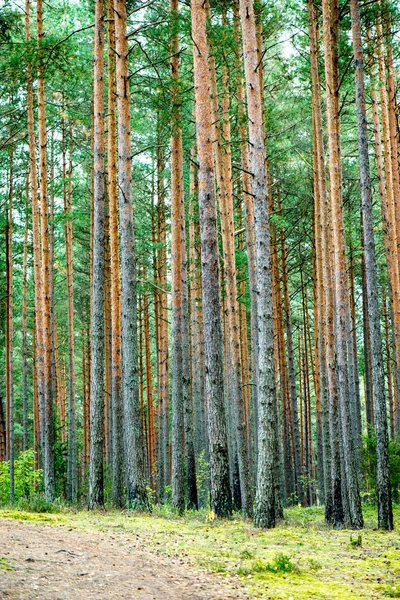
x=221, y=501
x=133, y=435
x=385, y=511
x=96, y=467
x=265, y=513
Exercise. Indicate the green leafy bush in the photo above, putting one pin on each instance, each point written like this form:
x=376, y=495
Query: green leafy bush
x=282, y=563
x=369, y=466
x=27, y=480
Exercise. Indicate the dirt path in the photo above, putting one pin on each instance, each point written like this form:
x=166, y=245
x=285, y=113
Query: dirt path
x=48, y=563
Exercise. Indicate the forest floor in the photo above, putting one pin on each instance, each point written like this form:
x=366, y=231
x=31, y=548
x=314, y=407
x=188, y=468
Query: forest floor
x=114, y=555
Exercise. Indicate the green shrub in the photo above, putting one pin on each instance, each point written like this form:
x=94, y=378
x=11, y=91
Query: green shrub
x=27, y=480
x=203, y=477
x=37, y=503
x=282, y=563
x=369, y=466
x=393, y=591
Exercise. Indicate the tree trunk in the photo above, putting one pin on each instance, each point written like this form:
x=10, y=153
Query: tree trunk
x=333, y=506
x=289, y=480
x=265, y=495
x=390, y=236
x=136, y=485
x=249, y=220
x=37, y=270
x=25, y=327
x=2, y=432
x=196, y=316
x=357, y=406
x=390, y=206
x=225, y=197
x=221, y=501
x=191, y=481
x=96, y=467
x=298, y=469
x=385, y=513
x=177, y=224
x=392, y=404
x=163, y=351
x=72, y=480
x=10, y=333
x=392, y=115
x=163, y=355
x=45, y=338
x=331, y=29
x=116, y=372
x=107, y=340
x=151, y=432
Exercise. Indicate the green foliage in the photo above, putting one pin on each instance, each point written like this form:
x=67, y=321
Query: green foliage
x=282, y=564
x=4, y=566
x=27, y=480
x=369, y=466
x=356, y=542
x=37, y=504
x=203, y=476
x=393, y=591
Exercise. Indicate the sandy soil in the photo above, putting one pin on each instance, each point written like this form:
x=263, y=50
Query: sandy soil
x=48, y=563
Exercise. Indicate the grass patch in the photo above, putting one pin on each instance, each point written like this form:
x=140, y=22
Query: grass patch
x=4, y=566
x=301, y=559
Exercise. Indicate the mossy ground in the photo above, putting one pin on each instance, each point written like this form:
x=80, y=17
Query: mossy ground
x=302, y=558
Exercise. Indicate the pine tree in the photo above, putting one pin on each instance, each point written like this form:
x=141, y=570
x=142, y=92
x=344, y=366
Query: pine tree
x=96, y=476
x=221, y=502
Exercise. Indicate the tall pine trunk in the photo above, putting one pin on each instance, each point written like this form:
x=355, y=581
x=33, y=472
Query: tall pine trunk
x=331, y=18
x=385, y=513
x=25, y=327
x=265, y=514
x=10, y=332
x=46, y=342
x=246, y=181
x=72, y=482
x=134, y=456
x=116, y=369
x=221, y=501
x=177, y=224
x=96, y=467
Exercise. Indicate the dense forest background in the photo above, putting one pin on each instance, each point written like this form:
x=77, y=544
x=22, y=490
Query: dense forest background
x=147, y=358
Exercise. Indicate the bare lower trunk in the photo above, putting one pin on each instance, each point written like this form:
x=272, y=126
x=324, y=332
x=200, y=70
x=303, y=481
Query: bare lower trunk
x=196, y=317
x=10, y=334
x=25, y=332
x=72, y=482
x=292, y=377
